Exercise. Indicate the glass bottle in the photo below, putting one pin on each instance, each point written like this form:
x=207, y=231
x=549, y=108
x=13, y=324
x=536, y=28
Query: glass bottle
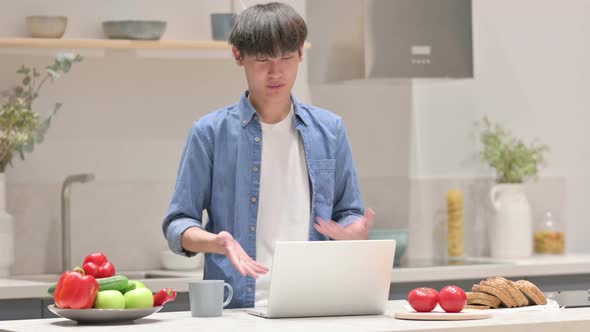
x=549, y=237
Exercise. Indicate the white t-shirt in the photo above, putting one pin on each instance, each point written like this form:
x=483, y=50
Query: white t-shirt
x=284, y=204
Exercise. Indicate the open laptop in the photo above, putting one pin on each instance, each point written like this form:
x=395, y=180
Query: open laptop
x=329, y=278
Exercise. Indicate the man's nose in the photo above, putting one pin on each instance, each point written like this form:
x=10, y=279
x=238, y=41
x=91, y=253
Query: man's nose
x=274, y=70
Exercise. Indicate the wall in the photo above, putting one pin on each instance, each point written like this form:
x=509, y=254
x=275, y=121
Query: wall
x=125, y=119
x=531, y=74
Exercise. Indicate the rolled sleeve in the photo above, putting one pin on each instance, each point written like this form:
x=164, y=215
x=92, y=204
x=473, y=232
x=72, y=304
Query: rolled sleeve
x=174, y=235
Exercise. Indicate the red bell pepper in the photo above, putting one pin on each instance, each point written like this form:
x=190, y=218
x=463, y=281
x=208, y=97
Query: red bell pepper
x=97, y=265
x=75, y=290
x=163, y=296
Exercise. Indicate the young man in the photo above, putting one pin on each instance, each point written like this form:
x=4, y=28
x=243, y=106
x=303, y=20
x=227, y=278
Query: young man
x=268, y=168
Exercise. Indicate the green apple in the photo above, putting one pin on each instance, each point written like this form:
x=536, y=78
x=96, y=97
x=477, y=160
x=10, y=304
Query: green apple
x=138, y=284
x=139, y=298
x=109, y=299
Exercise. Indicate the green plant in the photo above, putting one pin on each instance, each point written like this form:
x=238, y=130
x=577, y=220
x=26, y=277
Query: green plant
x=21, y=127
x=514, y=161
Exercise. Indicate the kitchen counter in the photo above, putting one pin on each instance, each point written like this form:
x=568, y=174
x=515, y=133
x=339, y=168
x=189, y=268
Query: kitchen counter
x=237, y=320
x=479, y=268
x=475, y=268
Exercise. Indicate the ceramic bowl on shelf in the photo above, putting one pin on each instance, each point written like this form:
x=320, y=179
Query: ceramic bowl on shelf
x=134, y=29
x=400, y=235
x=47, y=26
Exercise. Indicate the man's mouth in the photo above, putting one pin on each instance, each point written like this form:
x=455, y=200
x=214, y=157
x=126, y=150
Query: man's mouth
x=275, y=85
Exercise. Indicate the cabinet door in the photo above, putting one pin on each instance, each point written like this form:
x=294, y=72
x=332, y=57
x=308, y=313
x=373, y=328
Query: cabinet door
x=44, y=311
x=20, y=309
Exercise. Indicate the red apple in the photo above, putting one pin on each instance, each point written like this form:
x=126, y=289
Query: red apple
x=423, y=299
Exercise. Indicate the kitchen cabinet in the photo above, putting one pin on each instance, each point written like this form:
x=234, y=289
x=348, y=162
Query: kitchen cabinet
x=20, y=309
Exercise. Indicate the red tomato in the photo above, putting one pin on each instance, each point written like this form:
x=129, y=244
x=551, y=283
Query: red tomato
x=452, y=299
x=423, y=299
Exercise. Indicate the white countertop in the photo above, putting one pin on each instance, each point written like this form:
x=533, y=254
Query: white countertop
x=237, y=320
x=535, y=266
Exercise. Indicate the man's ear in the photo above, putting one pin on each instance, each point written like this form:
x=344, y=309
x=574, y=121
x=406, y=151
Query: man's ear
x=237, y=56
x=301, y=54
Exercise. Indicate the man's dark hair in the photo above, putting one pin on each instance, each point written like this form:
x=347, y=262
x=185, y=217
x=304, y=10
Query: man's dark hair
x=270, y=29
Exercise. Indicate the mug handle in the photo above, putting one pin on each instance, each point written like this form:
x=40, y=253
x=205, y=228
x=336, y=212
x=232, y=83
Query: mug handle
x=230, y=295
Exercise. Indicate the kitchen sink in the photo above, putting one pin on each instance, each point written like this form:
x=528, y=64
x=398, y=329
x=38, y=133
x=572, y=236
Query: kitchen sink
x=131, y=275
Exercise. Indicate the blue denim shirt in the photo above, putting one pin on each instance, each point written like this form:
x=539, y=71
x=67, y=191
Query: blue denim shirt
x=220, y=172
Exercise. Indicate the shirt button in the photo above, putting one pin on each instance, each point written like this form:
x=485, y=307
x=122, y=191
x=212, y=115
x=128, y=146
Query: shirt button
x=255, y=169
x=252, y=228
x=249, y=290
x=253, y=199
x=244, y=122
x=257, y=139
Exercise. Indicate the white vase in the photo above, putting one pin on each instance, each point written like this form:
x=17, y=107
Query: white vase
x=6, y=232
x=511, y=231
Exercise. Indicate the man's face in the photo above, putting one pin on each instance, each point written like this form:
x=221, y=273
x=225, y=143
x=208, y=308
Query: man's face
x=270, y=78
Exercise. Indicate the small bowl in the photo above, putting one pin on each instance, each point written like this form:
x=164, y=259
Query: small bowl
x=47, y=26
x=131, y=29
x=173, y=261
x=400, y=235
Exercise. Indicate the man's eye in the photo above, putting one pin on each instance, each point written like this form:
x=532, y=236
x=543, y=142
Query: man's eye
x=287, y=57
x=262, y=60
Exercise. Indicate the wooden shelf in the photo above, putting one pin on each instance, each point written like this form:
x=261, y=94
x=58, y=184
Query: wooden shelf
x=115, y=44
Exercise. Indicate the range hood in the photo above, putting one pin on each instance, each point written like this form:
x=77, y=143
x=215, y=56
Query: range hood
x=375, y=39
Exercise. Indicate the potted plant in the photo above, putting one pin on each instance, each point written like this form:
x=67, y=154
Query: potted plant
x=515, y=162
x=20, y=129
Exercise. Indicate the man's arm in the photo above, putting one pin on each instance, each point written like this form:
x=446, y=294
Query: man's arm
x=192, y=192
x=352, y=222
x=183, y=227
x=348, y=204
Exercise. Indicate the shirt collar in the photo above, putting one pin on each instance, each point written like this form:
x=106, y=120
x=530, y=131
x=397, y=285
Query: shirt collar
x=247, y=111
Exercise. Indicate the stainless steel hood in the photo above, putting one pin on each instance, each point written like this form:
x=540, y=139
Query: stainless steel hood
x=367, y=39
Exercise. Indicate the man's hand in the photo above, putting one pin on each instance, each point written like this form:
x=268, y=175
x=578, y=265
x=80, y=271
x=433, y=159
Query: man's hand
x=357, y=231
x=238, y=257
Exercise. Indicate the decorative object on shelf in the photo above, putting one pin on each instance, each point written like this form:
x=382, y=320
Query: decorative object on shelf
x=134, y=29
x=20, y=129
x=515, y=162
x=47, y=26
x=455, y=224
x=223, y=23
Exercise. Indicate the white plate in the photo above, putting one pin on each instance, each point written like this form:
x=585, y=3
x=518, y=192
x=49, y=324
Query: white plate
x=94, y=316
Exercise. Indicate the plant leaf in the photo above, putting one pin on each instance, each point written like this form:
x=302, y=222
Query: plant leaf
x=53, y=73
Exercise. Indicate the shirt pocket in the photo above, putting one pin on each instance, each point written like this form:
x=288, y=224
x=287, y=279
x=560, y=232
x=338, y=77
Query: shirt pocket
x=323, y=172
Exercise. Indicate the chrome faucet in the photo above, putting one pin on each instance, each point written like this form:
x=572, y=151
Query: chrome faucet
x=66, y=249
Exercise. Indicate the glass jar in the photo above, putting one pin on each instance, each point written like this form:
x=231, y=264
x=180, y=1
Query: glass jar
x=549, y=236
